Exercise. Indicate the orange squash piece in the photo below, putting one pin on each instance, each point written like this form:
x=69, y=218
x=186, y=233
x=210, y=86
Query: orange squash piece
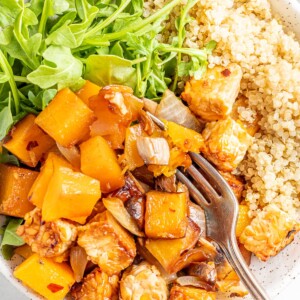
x=99, y=161
x=169, y=252
x=184, y=138
x=87, y=91
x=190, y=293
x=15, y=183
x=166, y=214
x=28, y=142
x=66, y=119
x=70, y=195
x=133, y=159
x=50, y=279
x=39, y=188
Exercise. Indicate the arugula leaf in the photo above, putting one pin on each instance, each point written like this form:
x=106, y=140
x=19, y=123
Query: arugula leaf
x=72, y=35
x=6, y=121
x=60, y=67
x=9, y=9
x=10, y=238
x=42, y=99
x=3, y=77
x=6, y=158
x=110, y=69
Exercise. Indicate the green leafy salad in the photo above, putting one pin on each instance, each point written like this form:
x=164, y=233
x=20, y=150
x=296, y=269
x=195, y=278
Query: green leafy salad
x=46, y=45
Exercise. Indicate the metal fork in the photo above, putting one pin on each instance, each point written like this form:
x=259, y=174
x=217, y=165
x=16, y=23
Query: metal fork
x=220, y=205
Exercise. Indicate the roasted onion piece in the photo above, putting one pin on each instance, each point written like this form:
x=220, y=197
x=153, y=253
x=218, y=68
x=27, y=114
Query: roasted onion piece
x=78, y=261
x=116, y=207
x=195, y=282
x=71, y=154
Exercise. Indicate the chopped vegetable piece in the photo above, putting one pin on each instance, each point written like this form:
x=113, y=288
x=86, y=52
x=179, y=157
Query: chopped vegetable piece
x=87, y=91
x=49, y=279
x=107, y=243
x=71, y=154
x=39, y=188
x=170, y=251
x=166, y=215
x=132, y=156
x=190, y=293
x=24, y=251
x=115, y=108
x=28, y=142
x=15, y=183
x=154, y=151
x=212, y=97
x=48, y=239
x=269, y=232
x=226, y=143
x=143, y=281
x=78, y=262
x=243, y=220
x=184, y=138
x=66, y=119
x=71, y=195
x=99, y=161
x=172, y=109
x=116, y=207
x=97, y=286
x=177, y=158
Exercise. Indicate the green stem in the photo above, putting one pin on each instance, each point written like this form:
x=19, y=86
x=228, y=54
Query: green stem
x=8, y=71
x=44, y=17
x=136, y=26
x=201, y=54
x=21, y=79
x=107, y=21
x=181, y=26
x=138, y=60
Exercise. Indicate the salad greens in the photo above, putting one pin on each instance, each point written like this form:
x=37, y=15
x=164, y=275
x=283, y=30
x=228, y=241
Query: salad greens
x=46, y=45
x=10, y=238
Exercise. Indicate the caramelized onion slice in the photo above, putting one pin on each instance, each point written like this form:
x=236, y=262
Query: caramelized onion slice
x=116, y=207
x=78, y=261
x=197, y=215
x=195, y=282
x=71, y=154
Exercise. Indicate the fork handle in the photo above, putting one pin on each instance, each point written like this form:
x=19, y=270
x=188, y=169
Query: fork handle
x=235, y=258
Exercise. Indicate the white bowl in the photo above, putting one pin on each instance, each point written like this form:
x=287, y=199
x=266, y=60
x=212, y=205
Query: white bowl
x=280, y=275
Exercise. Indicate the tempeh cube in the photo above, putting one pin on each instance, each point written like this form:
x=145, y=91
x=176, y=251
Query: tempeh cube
x=212, y=97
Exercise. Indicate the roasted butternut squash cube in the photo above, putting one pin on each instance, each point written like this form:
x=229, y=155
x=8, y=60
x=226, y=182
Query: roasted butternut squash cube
x=269, y=232
x=212, y=96
x=169, y=251
x=70, y=195
x=66, y=119
x=226, y=143
x=107, y=243
x=190, y=293
x=132, y=157
x=28, y=142
x=166, y=214
x=49, y=279
x=15, y=183
x=97, y=285
x=178, y=158
x=87, y=91
x=184, y=138
x=99, y=161
x=243, y=220
x=39, y=188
